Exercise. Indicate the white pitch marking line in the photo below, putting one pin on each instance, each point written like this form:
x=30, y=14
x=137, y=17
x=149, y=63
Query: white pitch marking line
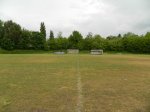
x=79, y=89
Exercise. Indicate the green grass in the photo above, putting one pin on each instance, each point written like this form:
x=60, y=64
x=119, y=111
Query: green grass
x=48, y=83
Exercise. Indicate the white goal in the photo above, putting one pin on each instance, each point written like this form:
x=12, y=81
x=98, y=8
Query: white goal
x=97, y=52
x=73, y=51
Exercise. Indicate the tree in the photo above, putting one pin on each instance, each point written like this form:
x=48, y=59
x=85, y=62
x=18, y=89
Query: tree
x=131, y=42
x=147, y=35
x=51, y=35
x=98, y=42
x=61, y=42
x=51, y=41
x=119, y=36
x=75, y=40
x=37, y=41
x=1, y=31
x=145, y=43
x=88, y=41
x=43, y=30
x=7, y=44
x=43, y=33
x=115, y=45
x=25, y=42
x=12, y=34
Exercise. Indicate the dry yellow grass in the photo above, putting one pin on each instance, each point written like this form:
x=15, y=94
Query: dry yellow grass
x=48, y=83
x=116, y=83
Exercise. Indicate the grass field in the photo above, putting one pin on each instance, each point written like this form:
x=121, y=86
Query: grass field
x=74, y=83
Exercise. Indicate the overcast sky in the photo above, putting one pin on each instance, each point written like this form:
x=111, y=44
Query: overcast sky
x=104, y=17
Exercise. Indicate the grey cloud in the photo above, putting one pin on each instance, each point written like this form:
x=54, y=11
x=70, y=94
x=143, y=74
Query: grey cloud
x=105, y=17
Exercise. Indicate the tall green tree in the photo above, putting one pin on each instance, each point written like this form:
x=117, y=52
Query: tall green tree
x=147, y=35
x=98, y=42
x=52, y=41
x=88, y=41
x=115, y=44
x=75, y=40
x=130, y=42
x=1, y=31
x=25, y=42
x=51, y=36
x=37, y=41
x=143, y=43
x=12, y=34
x=43, y=33
x=61, y=42
x=43, y=30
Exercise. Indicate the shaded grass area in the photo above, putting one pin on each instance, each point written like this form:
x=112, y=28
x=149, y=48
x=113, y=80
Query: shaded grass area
x=48, y=83
x=2, y=51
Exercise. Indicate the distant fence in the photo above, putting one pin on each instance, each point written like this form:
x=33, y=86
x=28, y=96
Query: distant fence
x=97, y=52
x=73, y=51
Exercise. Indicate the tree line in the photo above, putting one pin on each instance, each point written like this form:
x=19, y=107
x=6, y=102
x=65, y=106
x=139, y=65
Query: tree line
x=12, y=37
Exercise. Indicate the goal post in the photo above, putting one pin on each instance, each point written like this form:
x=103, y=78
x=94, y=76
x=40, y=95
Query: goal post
x=97, y=52
x=73, y=51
